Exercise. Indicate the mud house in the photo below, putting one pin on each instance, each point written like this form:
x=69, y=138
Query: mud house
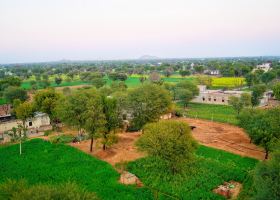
x=40, y=122
x=221, y=97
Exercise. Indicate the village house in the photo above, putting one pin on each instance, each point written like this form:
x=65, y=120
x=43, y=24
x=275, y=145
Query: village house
x=39, y=123
x=212, y=72
x=265, y=67
x=222, y=97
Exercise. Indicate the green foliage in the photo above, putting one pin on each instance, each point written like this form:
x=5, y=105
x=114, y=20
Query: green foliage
x=61, y=139
x=268, y=77
x=47, y=163
x=148, y=103
x=267, y=179
x=219, y=113
x=21, y=190
x=11, y=93
x=211, y=169
x=185, y=91
x=58, y=80
x=46, y=101
x=24, y=111
x=263, y=126
x=257, y=94
x=276, y=91
x=238, y=103
x=170, y=141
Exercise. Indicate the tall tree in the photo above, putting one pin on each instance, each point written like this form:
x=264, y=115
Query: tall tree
x=257, y=94
x=11, y=93
x=276, y=91
x=263, y=126
x=94, y=118
x=147, y=103
x=46, y=101
x=112, y=121
x=169, y=141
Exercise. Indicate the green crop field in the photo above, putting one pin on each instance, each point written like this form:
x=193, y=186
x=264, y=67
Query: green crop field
x=44, y=162
x=219, y=113
x=212, y=168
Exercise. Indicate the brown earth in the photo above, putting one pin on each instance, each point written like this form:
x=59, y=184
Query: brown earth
x=224, y=136
x=122, y=151
x=213, y=134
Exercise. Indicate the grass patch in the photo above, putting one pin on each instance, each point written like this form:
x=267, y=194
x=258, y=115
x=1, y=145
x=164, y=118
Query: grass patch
x=211, y=169
x=43, y=162
x=3, y=101
x=219, y=113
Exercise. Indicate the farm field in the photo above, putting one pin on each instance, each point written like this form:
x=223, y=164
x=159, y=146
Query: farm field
x=56, y=163
x=229, y=82
x=212, y=168
x=133, y=81
x=48, y=163
x=219, y=113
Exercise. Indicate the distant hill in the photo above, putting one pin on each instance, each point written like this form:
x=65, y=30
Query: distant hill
x=148, y=57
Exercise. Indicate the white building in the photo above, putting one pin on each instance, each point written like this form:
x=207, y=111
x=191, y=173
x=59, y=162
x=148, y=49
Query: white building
x=221, y=97
x=212, y=72
x=40, y=122
x=265, y=67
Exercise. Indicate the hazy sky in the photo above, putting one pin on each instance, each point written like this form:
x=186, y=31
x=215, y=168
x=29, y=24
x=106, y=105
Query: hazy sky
x=44, y=30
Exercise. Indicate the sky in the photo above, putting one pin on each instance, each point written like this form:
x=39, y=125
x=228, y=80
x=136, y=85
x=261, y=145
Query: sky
x=50, y=30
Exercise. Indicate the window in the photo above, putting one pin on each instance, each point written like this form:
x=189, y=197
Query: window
x=30, y=124
x=215, y=99
x=203, y=98
x=209, y=99
x=223, y=100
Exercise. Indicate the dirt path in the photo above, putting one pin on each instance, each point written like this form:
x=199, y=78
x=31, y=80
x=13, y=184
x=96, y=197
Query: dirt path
x=224, y=136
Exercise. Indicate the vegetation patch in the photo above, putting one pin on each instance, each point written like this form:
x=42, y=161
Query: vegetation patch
x=228, y=82
x=219, y=113
x=212, y=168
x=43, y=162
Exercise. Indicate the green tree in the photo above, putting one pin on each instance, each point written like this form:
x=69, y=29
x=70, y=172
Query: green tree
x=276, y=91
x=58, y=80
x=262, y=126
x=98, y=82
x=267, y=179
x=71, y=110
x=147, y=103
x=94, y=118
x=185, y=96
x=238, y=103
x=184, y=73
x=268, y=77
x=46, y=101
x=11, y=93
x=171, y=142
x=112, y=121
x=257, y=94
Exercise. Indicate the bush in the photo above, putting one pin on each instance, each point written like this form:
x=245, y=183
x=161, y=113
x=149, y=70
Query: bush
x=20, y=190
x=61, y=139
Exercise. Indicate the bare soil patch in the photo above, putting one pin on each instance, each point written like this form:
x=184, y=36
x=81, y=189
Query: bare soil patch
x=123, y=151
x=224, y=136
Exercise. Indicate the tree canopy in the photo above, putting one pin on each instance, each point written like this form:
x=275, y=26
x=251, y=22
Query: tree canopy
x=170, y=141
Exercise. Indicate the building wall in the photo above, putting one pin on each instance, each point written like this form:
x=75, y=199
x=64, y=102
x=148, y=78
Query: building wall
x=36, y=123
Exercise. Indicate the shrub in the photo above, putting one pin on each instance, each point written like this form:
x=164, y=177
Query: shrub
x=20, y=190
